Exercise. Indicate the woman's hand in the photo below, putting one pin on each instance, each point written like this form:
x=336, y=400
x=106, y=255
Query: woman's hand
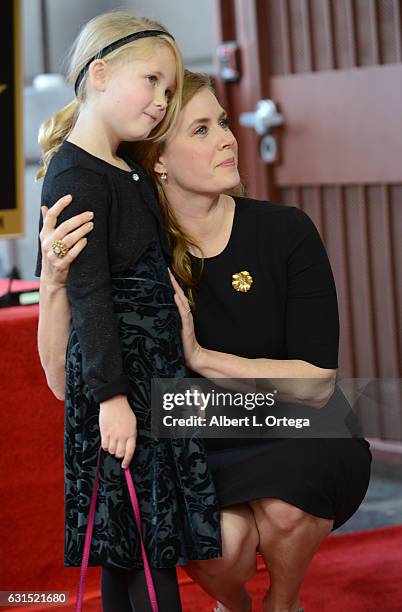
x=118, y=428
x=54, y=308
x=73, y=232
x=192, y=350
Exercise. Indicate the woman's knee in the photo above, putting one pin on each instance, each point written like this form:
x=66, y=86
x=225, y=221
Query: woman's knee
x=239, y=544
x=239, y=532
x=284, y=517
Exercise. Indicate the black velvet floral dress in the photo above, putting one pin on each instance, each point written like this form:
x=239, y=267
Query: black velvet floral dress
x=177, y=499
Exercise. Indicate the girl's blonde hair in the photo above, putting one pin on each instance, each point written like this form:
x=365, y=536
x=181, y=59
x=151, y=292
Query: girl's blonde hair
x=94, y=36
x=147, y=154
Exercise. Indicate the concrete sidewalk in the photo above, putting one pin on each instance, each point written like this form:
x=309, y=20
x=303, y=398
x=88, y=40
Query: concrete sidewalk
x=382, y=505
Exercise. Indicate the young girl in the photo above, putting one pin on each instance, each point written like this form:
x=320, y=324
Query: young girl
x=125, y=328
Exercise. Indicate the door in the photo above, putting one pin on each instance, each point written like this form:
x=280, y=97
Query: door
x=334, y=70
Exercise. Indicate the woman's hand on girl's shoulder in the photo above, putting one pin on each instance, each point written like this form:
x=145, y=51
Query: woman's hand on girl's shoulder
x=72, y=232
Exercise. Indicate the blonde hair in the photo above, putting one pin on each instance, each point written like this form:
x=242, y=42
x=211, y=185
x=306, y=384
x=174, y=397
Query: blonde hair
x=94, y=36
x=147, y=154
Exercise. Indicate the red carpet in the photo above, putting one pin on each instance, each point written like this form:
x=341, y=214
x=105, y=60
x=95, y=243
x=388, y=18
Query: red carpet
x=358, y=572
x=361, y=572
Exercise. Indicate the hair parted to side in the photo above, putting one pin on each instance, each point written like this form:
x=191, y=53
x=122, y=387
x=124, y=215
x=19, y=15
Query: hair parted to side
x=147, y=154
x=94, y=36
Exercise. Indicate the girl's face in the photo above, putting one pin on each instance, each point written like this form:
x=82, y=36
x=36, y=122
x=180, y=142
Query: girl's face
x=201, y=154
x=135, y=94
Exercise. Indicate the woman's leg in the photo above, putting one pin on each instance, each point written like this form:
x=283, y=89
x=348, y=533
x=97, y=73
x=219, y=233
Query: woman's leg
x=288, y=539
x=224, y=578
x=114, y=591
x=166, y=588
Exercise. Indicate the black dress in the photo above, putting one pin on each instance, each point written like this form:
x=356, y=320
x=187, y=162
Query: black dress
x=125, y=330
x=290, y=312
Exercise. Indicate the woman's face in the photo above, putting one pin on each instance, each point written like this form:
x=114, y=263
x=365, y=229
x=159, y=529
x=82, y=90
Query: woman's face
x=201, y=154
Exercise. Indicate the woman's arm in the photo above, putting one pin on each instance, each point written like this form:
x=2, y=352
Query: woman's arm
x=53, y=330
x=54, y=309
x=117, y=421
x=302, y=382
x=311, y=325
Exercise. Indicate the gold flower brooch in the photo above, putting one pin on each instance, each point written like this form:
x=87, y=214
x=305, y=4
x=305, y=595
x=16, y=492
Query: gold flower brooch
x=242, y=281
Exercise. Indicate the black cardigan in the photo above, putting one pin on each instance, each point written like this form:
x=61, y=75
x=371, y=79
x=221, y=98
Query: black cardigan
x=127, y=218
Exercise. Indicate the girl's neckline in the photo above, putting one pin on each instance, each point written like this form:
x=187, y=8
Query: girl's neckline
x=229, y=242
x=128, y=161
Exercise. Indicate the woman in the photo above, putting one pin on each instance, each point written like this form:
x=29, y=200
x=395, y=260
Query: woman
x=127, y=74
x=287, y=494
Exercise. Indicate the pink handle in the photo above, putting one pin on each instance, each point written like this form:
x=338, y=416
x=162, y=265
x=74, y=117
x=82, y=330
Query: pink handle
x=88, y=538
x=148, y=576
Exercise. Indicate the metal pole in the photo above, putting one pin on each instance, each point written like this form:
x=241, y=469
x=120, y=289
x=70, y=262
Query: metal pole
x=45, y=36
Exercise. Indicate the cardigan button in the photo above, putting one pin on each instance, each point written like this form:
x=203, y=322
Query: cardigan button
x=136, y=177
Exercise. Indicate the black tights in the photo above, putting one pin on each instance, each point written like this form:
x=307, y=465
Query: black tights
x=126, y=590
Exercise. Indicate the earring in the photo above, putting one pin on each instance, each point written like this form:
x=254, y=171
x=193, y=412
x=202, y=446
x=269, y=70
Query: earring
x=164, y=176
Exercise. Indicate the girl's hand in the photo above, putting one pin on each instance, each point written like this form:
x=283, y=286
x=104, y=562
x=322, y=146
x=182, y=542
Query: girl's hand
x=192, y=350
x=72, y=232
x=118, y=428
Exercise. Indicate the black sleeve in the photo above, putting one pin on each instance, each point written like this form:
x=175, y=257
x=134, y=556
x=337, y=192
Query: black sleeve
x=312, y=322
x=38, y=267
x=88, y=284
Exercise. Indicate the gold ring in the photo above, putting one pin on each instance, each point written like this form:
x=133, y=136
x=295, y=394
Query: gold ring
x=59, y=248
